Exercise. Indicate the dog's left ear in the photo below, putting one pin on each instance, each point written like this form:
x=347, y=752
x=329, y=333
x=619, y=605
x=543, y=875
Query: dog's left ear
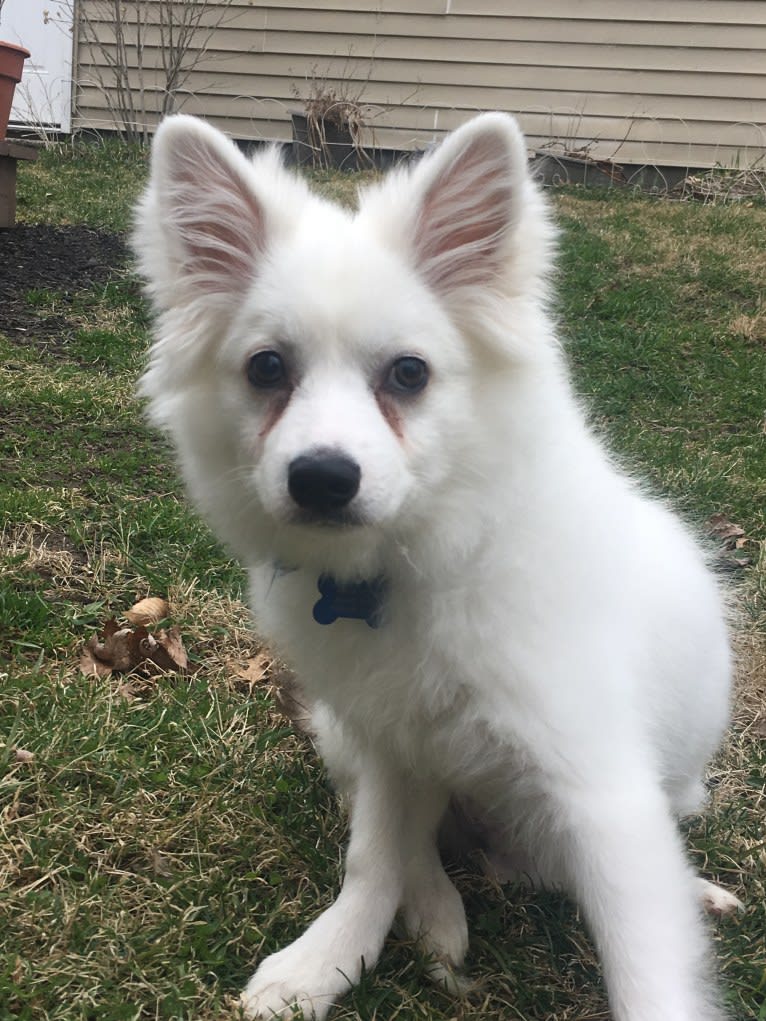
x=468, y=199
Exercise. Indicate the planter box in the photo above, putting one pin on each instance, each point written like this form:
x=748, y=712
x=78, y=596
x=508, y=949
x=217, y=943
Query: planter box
x=334, y=150
x=553, y=169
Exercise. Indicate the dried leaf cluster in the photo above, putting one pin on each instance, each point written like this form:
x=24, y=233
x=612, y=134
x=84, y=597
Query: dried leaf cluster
x=733, y=539
x=133, y=648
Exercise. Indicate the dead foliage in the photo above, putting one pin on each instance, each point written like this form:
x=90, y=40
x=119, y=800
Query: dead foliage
x=135, y=651
x=741, y=550
x=717, y=186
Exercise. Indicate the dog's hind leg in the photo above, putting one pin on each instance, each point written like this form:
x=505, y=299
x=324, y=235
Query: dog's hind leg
x=388, y=817
x=623, y=861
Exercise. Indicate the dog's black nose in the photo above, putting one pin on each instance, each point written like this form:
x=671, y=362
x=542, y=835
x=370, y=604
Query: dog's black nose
x=323, y=482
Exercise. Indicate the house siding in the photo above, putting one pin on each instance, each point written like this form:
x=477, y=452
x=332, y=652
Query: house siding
x=669, y=82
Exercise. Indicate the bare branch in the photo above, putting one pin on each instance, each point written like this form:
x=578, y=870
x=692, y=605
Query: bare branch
x=144, y=51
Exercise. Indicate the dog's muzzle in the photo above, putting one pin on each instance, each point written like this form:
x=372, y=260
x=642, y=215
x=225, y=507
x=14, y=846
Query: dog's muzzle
x=323, y=483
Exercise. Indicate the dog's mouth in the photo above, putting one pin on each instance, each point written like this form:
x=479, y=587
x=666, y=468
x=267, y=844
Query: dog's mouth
x=340, y=519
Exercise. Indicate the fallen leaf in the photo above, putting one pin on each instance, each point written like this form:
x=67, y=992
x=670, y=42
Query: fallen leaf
x=148, y=611
x=90, y=665
x=256, y=669
x=110, y=628
x=115, y=648
x=170, y=641
x=733, y=536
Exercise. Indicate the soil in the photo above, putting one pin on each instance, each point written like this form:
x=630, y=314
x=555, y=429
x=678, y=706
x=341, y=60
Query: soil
x=64, y=260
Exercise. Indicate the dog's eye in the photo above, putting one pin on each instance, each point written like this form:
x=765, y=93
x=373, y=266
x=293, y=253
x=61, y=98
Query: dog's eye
x=266, y=369
x=408, y=374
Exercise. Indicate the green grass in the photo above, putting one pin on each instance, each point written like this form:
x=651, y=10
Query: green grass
x=80, y=183
x=166, y=836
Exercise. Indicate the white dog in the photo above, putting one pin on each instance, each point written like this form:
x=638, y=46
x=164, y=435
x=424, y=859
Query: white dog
x=372, y=409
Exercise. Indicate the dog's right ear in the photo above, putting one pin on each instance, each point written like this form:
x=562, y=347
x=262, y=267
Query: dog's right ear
x=201, y=227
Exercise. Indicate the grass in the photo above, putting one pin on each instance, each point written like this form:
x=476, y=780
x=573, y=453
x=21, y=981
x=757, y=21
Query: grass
x=163, y=838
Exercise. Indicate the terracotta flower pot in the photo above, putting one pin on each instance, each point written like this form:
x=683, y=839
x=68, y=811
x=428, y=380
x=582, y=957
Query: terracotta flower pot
x=11, y=66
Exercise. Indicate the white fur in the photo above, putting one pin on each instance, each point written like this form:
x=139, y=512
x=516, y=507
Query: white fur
x=553, y=645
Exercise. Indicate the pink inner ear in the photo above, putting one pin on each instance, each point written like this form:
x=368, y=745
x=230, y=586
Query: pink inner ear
x=220, y=222
x=465, y=215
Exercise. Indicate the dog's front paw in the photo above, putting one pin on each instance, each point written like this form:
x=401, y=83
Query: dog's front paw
x=433, y=914
x=296, y=982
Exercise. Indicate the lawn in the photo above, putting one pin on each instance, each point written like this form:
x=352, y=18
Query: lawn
x=159, y=836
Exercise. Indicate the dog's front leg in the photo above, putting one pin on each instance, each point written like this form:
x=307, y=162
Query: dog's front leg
x=314, y=971
x=623, y=861
x=432, y=909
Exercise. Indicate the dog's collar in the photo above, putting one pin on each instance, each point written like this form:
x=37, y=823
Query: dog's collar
x=352, y=600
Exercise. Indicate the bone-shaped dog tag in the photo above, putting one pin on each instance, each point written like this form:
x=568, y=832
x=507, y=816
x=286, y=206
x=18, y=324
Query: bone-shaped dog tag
x=361, y=600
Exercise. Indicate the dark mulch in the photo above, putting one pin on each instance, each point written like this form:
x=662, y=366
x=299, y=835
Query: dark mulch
x=62, y=260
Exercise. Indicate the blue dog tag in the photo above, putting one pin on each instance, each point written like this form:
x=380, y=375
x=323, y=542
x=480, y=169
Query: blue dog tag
x=361, y=600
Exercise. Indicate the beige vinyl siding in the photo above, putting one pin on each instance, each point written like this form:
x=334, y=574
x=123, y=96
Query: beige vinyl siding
x=670, y=82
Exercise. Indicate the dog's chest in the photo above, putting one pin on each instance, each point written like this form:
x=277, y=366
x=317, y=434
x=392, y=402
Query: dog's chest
x=401, y=684
x=417, y=690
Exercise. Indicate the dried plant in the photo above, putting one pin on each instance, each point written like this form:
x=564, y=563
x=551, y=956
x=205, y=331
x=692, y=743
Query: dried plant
x=719, y=185
x=335, y=116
